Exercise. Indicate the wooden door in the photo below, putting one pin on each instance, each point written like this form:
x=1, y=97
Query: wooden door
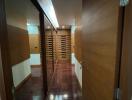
x=2, y=85
x=126, y=60
x=61, y=45
x=6, y=81
x=100, y=42
x=49, y=55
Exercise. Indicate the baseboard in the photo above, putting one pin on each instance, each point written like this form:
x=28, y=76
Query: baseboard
x=23, y=82
x=34, y=66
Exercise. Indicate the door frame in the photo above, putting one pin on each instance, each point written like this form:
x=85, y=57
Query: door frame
x=42, y=14
x=43, y=53
x=126, y=68
x=119, y=49
x=5, y=65
x=42, y=46
x=2, y=85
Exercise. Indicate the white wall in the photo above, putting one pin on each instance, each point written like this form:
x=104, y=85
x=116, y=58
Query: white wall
x=21, y=71
x=35, y=59
x=78, y=68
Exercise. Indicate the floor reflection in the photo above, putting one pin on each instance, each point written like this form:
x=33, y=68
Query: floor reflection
x=33, y=88
x=64, y=85
x=58, y=97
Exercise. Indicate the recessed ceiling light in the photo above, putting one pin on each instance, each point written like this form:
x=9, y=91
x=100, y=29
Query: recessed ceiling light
x=48, y=27
x=65, y=96
x=51, y=97
x=28, y=24
x=63, y=27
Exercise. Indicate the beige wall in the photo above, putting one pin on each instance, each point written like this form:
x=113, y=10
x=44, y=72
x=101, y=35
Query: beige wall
x=21, y=71
x=77, y=54
x=20, y=54
x=78, y=68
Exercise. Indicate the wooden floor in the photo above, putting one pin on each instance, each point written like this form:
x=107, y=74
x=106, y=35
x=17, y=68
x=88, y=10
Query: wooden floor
x=64, y=85
x=33, y=88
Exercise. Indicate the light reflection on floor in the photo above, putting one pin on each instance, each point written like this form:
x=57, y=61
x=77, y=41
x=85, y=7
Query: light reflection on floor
x=64, y=85
x=58, y=97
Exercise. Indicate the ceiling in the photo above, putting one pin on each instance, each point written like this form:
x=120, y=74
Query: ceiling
x=21, y=12
x=67, y=11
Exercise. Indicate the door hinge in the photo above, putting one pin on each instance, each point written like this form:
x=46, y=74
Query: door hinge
x=118, y=94
x=124, y=3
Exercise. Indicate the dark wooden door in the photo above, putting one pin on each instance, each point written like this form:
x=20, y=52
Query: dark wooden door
x=6, y=83
x=126, y=61
x=2, y=85
x=100, y=48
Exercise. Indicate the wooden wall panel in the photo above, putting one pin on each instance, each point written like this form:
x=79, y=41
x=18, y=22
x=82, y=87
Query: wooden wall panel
x=99, y=41
x=18, y=44
x=72, y=42
x=78, y=45
x=34, y=43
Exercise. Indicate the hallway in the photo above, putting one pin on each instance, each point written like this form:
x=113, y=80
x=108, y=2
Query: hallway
x=66, y=50
x=64, y=85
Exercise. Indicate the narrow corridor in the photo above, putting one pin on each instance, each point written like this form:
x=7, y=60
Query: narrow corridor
x=64, y=85
x=65, y=49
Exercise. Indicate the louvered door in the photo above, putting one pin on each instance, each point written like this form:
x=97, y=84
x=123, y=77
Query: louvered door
x=61, y=45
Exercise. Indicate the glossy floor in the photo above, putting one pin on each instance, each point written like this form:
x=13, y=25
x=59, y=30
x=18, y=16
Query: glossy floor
x=64, y=85
x=33, y=88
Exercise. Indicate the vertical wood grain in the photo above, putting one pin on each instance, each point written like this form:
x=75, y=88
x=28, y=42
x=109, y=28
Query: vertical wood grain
x=78, y=44
x=6, y=80
x=99, y=41
x=43, y=52
x=18, y=44
x=34, y=44
x=2, y=85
